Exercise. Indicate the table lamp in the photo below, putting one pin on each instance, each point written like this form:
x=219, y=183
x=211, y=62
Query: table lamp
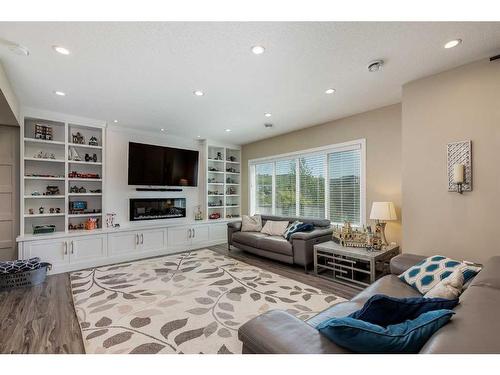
x=383, y=211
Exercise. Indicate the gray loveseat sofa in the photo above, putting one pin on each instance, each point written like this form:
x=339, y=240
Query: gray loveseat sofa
x=473, y=329
x=299, y=250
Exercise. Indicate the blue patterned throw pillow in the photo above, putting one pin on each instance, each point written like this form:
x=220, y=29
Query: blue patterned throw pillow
x=424, y=275
x=297, y=226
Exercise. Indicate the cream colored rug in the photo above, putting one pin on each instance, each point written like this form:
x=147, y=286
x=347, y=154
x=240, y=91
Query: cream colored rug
x=185, y=303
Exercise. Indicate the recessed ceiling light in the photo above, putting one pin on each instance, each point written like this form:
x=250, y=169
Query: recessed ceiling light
x=267, y=114
x=198, y=93
x=60, y=93
x=453, y=43
x=375, y=66
x=115, y=121
x=162, y=129
x=258, y=50
x=330, y=91
x=61, y=50
x=228, y=130
x=19, y=50
x=198, y=136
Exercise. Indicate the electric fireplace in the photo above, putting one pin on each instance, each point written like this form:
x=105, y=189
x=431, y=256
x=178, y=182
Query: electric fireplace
x=157, y=208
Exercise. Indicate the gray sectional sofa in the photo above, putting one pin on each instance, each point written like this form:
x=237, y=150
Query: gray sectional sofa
x=473, y=329
x=299, y=250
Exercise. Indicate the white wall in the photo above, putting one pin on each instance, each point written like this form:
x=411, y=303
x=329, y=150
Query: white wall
x=117, y=191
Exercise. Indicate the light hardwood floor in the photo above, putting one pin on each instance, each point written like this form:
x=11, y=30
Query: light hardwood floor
x=42, y=319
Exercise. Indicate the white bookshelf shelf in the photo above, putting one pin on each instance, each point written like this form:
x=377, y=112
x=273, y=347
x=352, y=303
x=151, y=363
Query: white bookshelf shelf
x=227, y=204
x=34, y=169
x=84, y=194
x=45, y=160
x=44, y=215
x=85, y=215
x=44, y=141
x=44, y=178
x=84, y=162
x=84, y=146
x=44, y=197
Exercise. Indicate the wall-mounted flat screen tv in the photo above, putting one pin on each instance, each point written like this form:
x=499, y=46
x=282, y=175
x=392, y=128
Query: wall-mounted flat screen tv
x=161, y=166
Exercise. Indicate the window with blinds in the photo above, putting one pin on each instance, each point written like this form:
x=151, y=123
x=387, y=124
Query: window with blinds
x=285, y=192
x=321, y=184
x=264, y=188
x=312, y=186
x=344, y=186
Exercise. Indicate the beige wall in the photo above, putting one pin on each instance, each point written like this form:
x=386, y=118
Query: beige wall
x=382, y=130
x=456, y=105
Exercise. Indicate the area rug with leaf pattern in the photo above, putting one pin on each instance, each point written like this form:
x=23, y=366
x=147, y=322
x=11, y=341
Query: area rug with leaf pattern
x=192, y=302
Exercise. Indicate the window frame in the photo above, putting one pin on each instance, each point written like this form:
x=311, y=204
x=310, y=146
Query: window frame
x=358, y=144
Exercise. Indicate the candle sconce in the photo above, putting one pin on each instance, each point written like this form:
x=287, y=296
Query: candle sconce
x=459, y=166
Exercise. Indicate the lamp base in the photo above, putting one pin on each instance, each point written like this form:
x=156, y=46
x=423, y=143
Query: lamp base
x=381, y=226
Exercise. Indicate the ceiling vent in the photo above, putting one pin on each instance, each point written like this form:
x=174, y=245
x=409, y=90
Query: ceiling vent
x=375, y=66
x=268, y=125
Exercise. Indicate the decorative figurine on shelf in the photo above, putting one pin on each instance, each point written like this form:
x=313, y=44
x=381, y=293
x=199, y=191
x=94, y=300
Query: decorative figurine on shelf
x=231, y=170
x=110, y=220
x=231, y=190
x=91, y=223
x=198, y=215
x=96, y=191
x=214, y=216
x=73, y=189
x=82, y=190
x=219, y=156
x=52, y=190
x=51, y=210
x=78, y=138
x=41, y=210
x=58, y=210
x=31, y=211
x=231, y=158
x=93, y=141
x=349, y=237
x=43, y=132
x=213, y=169
x=73, y=155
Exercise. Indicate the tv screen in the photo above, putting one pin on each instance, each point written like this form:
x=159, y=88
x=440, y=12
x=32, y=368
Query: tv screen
x=161, y=166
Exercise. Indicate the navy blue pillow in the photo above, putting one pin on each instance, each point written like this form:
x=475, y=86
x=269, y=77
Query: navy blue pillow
x=364, y=337
x=302, y=227
x=384, y=310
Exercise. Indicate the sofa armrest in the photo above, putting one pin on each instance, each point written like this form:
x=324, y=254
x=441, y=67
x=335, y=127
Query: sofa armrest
x=400, y=263
x=278, y=332
x=232, y=227
x=316, y=232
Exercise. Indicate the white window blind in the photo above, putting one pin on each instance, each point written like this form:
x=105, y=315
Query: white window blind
x=322, y=183
x=285, y=192
x=344, y=186
x=312, y=185
x=264, y=188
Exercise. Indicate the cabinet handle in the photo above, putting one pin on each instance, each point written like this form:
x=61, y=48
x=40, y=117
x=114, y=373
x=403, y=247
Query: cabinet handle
x=72, y=247
x=137, y=239
x=65, y=248
x=194, y=233
x=142, y=238
x=189, y=233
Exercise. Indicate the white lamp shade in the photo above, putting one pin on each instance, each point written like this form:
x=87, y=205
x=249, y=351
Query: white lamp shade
x=383, y=211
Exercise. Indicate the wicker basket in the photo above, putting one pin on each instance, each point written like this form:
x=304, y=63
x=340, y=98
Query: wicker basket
x=24, y=279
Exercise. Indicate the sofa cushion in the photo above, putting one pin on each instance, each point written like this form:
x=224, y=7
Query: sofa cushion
x=384, y=310
x=276, y=244
x=450, y=288
x=251, y=223
x=274, y=228
x=314, y=221
x=248, y=238
x=428, y=273
x=363, y=337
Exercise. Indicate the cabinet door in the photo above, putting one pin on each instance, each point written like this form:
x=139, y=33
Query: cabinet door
x=200, y=234
x=123, y=243
x=85, y=248
x=179, y=236
x=218, y=232
x=152, y=240
x=51, y=251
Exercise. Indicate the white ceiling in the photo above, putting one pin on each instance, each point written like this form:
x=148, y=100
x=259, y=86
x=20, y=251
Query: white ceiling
x=143, y=74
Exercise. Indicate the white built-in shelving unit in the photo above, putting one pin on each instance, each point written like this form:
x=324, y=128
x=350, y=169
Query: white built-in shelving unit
x=223, y=182
x=53, y=167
